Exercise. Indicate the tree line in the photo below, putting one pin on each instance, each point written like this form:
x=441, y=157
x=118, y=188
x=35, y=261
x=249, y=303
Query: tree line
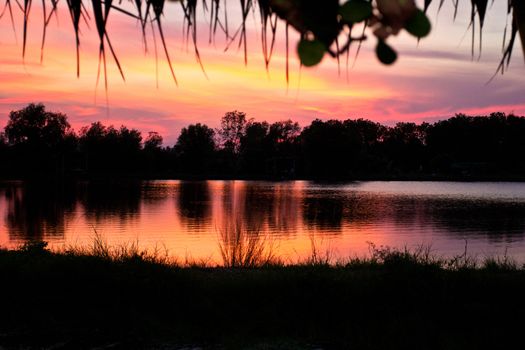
x=37, y=142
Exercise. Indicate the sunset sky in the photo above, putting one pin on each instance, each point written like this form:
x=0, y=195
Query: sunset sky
x=430, y=81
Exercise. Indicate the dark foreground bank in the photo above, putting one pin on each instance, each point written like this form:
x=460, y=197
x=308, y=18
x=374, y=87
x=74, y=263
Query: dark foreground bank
x=393, y=300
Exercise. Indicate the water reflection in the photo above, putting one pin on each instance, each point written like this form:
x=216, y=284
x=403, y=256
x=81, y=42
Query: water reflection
x=194, y=203
x=285, y=213
x=498, y=221
x=324, y=212
x=110, y=199
x=38, y=210
x=190, y=215
x=258, y=204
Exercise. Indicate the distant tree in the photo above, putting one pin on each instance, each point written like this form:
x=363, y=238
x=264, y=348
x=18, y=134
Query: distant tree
x=195, y=147
x=110, y=149
x=281, y=148
x=155, y=157
x=232, y=130
x=371, y=157
x=371, y=132
x=39, y=141
x=94, y=133
x=4, y=156
x=36, y=141
x=459, y=138
x=330, y=149
x=513, y=144
x=3, y=141
x=129, y=141
x=153, y=142
x=91, y=140
x=284, y=133
x=253, y=149
x=488, y=143
x=404, y=146
x=35, y=127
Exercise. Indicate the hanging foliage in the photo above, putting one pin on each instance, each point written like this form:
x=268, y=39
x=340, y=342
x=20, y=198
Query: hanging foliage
x=325, y=27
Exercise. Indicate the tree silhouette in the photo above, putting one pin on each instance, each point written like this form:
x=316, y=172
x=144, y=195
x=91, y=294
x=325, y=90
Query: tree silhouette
x=155, y=158
x=36, y=142
x=231, y=130
x=153, y=142
x=110, y=149
x=283, y=133
x=330, y=148
x=282, y=148
x=195, y=148
x=40, y=140
x=253, y=147
x=35, y=127
x=269, y=149
x=404, y=146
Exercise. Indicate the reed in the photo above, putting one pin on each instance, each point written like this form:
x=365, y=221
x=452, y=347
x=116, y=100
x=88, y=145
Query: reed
x=243, y=248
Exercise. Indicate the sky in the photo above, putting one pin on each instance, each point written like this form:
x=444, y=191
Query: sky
x=432, y=79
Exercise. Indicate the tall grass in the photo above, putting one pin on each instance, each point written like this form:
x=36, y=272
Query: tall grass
x=319, y=256
x=241, y=248
x=122, y=252
x=423, y=256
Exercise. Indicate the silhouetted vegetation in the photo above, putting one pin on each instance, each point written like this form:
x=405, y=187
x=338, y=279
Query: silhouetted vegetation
x=36, y=142
x=195, y=149
x=122, y=297
x=327, y=30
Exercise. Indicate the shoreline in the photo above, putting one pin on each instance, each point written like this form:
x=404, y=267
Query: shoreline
x=395, y=300
x=361, y=178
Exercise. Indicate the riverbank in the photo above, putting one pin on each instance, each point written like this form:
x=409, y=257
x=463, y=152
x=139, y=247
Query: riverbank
x=131, y=299
x=129, y=177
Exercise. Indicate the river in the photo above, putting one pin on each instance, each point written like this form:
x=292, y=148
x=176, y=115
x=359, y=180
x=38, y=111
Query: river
x=189, y=220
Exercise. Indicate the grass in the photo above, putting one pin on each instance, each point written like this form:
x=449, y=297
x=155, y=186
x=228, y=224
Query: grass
x=241, y=248
x=122, y=297
x=120, y=253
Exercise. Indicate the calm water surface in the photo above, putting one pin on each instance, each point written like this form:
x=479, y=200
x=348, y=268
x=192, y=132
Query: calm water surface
x=190, y=218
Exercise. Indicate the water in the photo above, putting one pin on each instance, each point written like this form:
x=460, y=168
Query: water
x=189, y=218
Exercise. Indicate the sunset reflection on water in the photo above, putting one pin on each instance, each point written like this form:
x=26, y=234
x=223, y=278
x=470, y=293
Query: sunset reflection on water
x=186, y=218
